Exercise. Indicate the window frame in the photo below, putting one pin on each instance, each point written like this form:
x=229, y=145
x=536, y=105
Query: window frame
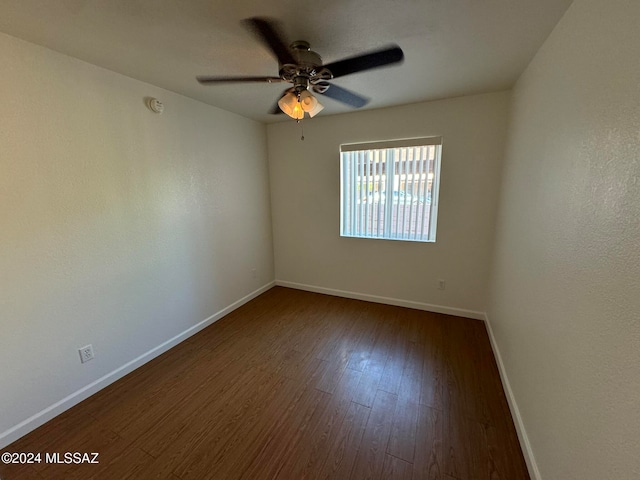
x=347, y=187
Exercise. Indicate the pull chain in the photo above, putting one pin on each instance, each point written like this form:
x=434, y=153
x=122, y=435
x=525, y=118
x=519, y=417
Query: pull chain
x=301, y=129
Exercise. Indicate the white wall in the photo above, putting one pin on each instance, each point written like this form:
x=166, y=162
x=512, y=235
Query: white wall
x=118, y=227
x=305, y=191
x=565, y=302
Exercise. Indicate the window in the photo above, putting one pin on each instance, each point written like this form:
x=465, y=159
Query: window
x=389, y=190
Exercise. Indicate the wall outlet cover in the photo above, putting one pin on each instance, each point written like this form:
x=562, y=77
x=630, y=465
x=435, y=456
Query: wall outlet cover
x=86, y=353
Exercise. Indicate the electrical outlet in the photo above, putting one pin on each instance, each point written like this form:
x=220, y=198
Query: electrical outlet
x=441, y=284
x=86, y=353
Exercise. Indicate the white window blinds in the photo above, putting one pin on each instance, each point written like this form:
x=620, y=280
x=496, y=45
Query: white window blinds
x=389, y=189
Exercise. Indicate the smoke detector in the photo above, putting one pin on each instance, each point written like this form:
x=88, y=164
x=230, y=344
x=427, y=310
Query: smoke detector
x=155, y=105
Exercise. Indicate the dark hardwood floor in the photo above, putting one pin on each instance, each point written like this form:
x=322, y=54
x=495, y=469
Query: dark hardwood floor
x=297, y=385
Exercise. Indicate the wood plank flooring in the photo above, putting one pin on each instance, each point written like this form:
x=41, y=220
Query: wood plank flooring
x=297, y=385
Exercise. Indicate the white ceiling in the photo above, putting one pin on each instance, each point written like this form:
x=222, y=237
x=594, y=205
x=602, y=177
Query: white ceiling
x=452, y=47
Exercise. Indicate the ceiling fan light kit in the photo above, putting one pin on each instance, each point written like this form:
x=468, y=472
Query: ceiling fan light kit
x=303, y=68
x=297, y=100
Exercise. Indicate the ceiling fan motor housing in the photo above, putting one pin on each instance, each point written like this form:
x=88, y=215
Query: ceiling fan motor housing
x=307, y=69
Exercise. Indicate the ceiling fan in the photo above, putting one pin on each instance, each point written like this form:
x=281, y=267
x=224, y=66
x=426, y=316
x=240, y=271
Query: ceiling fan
x=303, y=68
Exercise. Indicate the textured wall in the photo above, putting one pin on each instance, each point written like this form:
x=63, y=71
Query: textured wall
x=565, y=307
x=305, y=180
x=118, y=227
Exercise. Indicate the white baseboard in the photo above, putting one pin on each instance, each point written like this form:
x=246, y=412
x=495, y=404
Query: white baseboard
x=14, y=433
x=525, y=445
x=385, y=300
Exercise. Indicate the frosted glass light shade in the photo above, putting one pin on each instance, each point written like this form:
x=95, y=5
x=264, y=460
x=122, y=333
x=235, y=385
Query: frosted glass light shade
x=289, y=104
x=310, y=104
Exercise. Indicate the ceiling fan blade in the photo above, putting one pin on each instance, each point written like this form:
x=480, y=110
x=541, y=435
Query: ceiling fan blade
x=341, y=94
x=367, y=61
x=204, y=79
x=269, y=33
